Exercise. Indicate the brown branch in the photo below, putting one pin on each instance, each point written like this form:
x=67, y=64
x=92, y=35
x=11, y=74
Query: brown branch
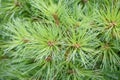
x=55, y=16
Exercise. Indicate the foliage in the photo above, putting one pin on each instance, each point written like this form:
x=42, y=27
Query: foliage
x=59, y=40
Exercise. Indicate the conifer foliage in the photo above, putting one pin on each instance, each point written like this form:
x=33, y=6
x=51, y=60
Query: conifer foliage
x=59, y=39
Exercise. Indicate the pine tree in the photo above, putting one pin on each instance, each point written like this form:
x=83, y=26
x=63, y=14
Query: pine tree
x=59, y=39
